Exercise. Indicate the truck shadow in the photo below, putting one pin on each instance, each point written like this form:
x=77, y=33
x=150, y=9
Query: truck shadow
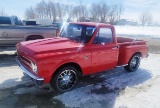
x=102, y=89
x=7, y=56
x=106, y=86
x=7, y=60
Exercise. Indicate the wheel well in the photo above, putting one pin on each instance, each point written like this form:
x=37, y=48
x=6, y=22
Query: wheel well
x=69, y=64
x=34, y=37
x=135, y=54
x=138, y=53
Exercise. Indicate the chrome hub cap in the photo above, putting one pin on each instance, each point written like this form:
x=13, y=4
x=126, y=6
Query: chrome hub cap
x=66, y=79
x=135, y=62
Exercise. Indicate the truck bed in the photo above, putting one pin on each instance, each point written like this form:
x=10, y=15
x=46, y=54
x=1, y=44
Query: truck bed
x=128, y=47
x=128, y=41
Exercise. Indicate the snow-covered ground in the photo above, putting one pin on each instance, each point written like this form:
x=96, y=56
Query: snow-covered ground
x=111, y=89
x=126, y=90
x=140, y=31
x=10, y=74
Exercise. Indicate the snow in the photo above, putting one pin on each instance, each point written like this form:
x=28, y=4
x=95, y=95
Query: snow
x=8, y=51
x=139, y=89
x=11, y=77
x=147, y=96
x=140, y=31
x=111, y=89
x=115, y=88
x=83, y=97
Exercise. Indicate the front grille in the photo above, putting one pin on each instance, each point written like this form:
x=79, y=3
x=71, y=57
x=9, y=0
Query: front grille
x=25, y=61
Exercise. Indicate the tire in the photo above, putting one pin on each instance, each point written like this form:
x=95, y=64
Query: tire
x=133, y=63
x=65, y=79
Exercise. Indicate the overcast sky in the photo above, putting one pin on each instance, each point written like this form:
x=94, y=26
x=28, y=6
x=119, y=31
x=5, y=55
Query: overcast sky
x=132, y=8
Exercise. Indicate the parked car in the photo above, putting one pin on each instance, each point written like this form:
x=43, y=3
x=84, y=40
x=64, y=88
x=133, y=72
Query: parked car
x=57, y=24
x=82, y=48
x=12, y=31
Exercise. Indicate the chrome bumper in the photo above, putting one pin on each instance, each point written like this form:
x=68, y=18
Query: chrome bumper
x=34, y=78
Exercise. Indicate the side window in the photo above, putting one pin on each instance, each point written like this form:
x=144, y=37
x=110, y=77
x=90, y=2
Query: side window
x=77, y=30
x=5, y=20
x=104, y=35
x=88, y=33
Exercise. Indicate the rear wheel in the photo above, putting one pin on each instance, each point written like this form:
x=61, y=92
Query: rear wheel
x=134, y=63
x=65, y=79
x=34, y=37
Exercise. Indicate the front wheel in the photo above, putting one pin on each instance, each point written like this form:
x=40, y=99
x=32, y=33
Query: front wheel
x=134, y=63
x=65, y=79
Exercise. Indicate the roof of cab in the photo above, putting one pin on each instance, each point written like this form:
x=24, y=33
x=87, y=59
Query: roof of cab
x=90, y=23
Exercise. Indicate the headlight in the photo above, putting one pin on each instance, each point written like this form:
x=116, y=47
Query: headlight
x=34, y=67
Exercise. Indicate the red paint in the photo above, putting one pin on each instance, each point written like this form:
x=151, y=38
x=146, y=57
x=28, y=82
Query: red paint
x=50, y=54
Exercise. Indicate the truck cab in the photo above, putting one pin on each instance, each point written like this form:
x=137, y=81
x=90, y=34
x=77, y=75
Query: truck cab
x=12, y=31
x=7, y=20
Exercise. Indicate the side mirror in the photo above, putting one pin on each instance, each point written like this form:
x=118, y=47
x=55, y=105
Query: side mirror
x=102, y=43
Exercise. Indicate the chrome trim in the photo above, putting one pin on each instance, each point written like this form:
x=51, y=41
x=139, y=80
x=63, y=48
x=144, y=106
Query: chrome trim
x=27, y=72
x=122, y=65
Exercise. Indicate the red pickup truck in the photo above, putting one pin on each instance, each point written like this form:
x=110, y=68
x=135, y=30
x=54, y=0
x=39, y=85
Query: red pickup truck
x=82, y=48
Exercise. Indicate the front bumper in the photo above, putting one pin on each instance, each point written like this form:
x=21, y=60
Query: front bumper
x=34, y=78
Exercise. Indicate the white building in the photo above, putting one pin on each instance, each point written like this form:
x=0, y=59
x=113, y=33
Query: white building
x=42, y=21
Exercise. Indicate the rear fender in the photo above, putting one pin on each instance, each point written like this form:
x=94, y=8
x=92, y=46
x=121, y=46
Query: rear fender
x=30, y=34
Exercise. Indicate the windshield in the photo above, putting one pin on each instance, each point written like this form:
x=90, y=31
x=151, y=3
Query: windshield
x=77, y=32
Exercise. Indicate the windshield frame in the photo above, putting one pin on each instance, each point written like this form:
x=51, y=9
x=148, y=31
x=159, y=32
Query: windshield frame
x=84, y=37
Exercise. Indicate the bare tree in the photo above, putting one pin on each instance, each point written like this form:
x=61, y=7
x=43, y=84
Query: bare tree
x=2, y=12
x=120, y=10
x=53, y=10
x=49, y=9
x=69, y=11
x=83, y=12
x=94, y=12
x=75, y=13
x=105, y=9
x=145, y=18
x=61, y=11
x=150, y=22
x=98, y=12
x=41, y=9
x=112, y=14
x=80, y=12
x=30, y=13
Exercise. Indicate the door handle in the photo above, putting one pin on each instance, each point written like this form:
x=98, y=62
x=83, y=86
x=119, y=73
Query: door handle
x=116, y=47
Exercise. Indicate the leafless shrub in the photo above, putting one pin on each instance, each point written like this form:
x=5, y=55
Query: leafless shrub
x=97, y=12
x=30, y=13
x=2, y=12
x=145, y=18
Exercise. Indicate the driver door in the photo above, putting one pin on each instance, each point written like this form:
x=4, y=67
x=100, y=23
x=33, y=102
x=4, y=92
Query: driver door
x=104, y=51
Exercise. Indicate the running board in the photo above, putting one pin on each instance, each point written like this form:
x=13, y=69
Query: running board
x=122, y=65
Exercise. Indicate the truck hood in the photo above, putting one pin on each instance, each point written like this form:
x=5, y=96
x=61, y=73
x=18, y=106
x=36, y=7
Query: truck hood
x=50, y=45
